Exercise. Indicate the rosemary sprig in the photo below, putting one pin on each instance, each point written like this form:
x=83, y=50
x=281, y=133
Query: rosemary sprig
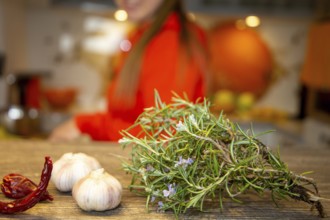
x=184, y=155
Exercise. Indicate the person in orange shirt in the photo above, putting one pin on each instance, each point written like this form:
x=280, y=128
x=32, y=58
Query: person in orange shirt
x=167, y=53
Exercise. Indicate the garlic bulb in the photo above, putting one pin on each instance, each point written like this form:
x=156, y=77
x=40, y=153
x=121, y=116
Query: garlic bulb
x=70, y=168
x=98, y=191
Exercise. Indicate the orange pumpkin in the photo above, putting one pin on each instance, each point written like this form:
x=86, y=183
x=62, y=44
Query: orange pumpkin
x=240, y=59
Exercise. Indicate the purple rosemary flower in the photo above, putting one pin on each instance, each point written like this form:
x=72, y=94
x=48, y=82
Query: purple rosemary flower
x=171, y=190
x=150, y=168
x=184, y=162
x=180, y=127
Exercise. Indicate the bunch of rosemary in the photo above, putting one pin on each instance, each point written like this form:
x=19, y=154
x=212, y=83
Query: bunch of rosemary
x=185, y=156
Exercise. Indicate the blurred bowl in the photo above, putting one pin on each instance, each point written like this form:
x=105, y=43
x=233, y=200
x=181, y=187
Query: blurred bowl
x=50, y=120
x=60, y=98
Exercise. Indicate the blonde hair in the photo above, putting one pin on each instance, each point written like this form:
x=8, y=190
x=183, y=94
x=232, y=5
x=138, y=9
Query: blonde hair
x=129, y=76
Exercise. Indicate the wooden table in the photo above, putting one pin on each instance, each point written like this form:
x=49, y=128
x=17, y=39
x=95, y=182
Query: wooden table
x=27, y=157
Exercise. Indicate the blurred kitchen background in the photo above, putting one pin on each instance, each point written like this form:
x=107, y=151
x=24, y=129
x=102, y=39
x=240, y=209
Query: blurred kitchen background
x=270, y=62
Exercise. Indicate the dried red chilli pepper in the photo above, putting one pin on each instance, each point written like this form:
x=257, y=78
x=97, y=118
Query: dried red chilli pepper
x=17, y=186
x=34, y=197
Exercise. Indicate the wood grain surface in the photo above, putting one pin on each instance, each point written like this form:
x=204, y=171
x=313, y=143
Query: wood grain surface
x=27, y=157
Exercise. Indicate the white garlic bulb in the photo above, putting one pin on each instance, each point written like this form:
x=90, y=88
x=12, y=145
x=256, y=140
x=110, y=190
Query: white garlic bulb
x=70, y=168
x=98, y=191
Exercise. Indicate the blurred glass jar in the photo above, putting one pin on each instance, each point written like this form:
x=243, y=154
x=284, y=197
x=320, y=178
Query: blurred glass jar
x=20, y=121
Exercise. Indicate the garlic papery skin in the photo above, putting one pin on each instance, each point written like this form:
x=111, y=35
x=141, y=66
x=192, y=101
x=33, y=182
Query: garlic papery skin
x=70, y=168
x=98, y=191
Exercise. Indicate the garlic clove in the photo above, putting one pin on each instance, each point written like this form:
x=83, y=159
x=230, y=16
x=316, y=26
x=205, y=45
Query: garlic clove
x=70, y=168
x=98, y=191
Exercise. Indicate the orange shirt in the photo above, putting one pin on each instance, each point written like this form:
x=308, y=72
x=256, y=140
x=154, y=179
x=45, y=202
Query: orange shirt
x=158, y=71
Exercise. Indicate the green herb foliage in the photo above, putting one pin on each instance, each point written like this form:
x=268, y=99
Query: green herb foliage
x=185, y=155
